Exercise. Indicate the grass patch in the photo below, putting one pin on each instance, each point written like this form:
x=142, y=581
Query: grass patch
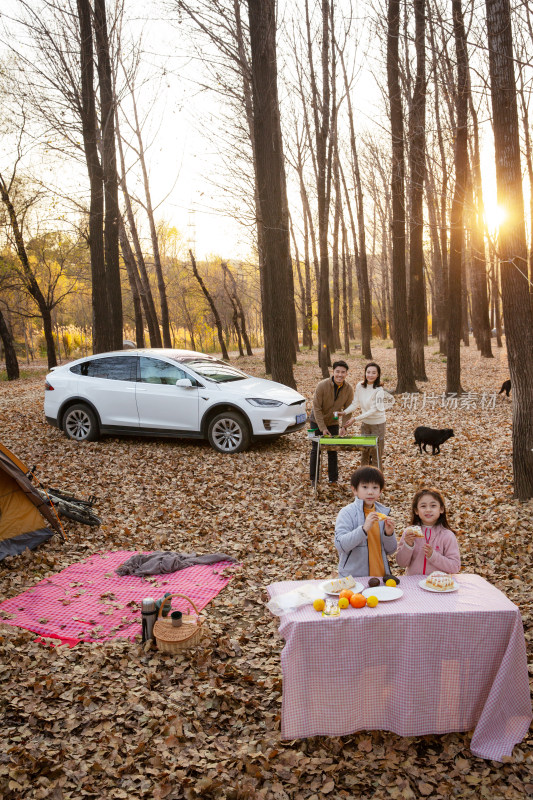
x=25, y=374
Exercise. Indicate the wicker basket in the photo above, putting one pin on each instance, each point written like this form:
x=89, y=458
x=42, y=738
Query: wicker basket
x=173, y=640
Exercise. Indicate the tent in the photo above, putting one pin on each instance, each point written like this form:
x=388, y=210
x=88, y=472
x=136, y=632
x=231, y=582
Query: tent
x=25, y=518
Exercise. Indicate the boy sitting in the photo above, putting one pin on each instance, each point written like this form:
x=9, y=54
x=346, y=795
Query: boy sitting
x=364, y=533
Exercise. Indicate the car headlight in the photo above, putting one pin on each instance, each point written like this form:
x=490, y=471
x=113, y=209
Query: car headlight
x=262, y=402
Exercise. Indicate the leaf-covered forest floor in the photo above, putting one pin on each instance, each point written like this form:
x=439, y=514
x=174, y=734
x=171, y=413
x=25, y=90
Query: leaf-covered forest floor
x=113, y=721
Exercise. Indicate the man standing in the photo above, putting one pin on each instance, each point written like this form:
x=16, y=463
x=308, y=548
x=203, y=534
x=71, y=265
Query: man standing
x=332, y=396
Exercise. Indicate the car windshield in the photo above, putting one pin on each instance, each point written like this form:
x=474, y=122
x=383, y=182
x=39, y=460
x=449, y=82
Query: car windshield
x=213, y=370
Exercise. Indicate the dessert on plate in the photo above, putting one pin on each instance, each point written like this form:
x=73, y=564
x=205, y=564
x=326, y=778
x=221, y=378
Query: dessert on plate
x=440, y=581
x=338, y=584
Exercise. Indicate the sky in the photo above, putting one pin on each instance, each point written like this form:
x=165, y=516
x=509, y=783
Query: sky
x=182, y=160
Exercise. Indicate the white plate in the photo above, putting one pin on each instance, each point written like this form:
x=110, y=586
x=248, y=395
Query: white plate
x=383, y=593
x=355, y=589
x=423, y=585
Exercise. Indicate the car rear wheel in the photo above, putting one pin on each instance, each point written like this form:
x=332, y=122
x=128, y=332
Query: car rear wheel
x=229, y=433
x=80, y=424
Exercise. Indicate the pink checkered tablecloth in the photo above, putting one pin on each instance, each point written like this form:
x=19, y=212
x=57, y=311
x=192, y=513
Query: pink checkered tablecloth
x=426, y=663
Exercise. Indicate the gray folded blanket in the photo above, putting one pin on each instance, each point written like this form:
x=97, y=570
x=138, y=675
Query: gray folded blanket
x=162, y=562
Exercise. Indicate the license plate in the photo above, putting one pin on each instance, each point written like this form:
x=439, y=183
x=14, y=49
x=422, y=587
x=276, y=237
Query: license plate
x=301, y=418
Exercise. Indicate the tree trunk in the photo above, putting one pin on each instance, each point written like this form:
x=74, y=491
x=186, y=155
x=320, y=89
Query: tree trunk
x=163, y=302
x=524, y=104
x=300, y=279
x=145, y=290
x=453, y=361
x=48, y=331
x=110, y=176
x=134, y=281
x=358, y=269
x=218, y=323
x=441, y=288
x=364, y=289
x=242, y=318
x=235, y=317
x=404, y=363
x=307, y=335
x=345, y=321
x=102, y=323
x=517, y=313
x=270, y=183
x=417, y=152
x=366, y=306
x=465, y=332
x=480, y=303
x=28, y=276
x=245, y=71
x=321, y=104
x=335, y=256
x=12, y=364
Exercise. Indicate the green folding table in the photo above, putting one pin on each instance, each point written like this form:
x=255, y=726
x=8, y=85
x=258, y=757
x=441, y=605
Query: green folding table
x=357, y=442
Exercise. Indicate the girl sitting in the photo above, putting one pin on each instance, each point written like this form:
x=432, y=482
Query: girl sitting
x=435, y=548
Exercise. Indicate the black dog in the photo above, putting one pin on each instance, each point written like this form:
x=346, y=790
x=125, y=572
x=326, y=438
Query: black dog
x=506, y=387
x=432, y=436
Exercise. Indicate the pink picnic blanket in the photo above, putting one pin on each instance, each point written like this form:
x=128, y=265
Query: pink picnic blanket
x=89, y=602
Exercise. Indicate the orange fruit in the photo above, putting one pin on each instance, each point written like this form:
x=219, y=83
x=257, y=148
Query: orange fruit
x=372, y=601
x=343, y=602
x=357, y=601
x=347, y=593
x=319, y=604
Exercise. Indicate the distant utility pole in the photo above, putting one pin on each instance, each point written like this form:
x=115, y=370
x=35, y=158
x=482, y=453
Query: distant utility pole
x=191, y=231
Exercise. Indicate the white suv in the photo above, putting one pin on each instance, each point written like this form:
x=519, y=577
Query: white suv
x=163, y=392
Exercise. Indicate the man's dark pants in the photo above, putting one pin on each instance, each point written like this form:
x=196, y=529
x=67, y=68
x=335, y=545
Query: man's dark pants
x=333, y=467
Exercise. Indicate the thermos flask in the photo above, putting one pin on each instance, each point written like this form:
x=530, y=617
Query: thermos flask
x=149, y=613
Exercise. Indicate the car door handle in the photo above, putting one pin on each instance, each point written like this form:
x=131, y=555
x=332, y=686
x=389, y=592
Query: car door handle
x=141, y=388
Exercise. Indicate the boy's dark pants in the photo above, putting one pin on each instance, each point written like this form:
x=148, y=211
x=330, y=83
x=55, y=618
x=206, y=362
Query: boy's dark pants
x=333, y=467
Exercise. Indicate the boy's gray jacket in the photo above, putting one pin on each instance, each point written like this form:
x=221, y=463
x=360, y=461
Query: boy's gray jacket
x=352, y=543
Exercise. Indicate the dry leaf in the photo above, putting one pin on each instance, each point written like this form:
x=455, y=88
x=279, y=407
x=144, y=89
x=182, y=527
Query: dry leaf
x=121, y=719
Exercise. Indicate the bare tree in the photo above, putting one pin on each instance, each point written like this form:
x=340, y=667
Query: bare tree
x=147, y=204
x=453, y=360
x=145, y=290
x=518, y=316
x=271, y=185
x=236, y=302
x=365, y=300
x=322, y=113
x=212, y=306
x=109, y=172
x=404, y=363
x=417, y=154
x=44, y=304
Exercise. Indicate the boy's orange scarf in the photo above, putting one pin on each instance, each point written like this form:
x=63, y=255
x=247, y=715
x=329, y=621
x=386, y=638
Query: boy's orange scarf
x=376, y=567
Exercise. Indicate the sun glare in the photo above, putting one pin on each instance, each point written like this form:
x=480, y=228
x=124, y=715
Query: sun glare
x=495, y=215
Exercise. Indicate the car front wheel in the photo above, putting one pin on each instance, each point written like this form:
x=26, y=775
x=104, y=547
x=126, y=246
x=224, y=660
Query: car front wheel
x=80, y=424
x=229, y=433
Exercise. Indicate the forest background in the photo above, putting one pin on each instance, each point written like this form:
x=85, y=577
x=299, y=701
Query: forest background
x=350, y=142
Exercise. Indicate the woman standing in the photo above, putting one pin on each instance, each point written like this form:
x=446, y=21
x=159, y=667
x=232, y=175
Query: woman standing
x=372, y=399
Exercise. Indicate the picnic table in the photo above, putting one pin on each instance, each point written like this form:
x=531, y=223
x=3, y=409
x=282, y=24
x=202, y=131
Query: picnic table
x=356, y=442
x=426, y=663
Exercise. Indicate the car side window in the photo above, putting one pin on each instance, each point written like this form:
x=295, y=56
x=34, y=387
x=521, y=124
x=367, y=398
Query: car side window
x=114, y=368
x=161, y=372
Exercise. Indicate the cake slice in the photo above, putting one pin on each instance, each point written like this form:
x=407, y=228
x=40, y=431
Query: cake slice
x=338, y=584
x=440, y=581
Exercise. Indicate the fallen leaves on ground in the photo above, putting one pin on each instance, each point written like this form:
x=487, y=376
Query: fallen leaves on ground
x=114, y=720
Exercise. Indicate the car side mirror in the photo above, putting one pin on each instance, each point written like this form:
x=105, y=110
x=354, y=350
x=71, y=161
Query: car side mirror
x=185, y=382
